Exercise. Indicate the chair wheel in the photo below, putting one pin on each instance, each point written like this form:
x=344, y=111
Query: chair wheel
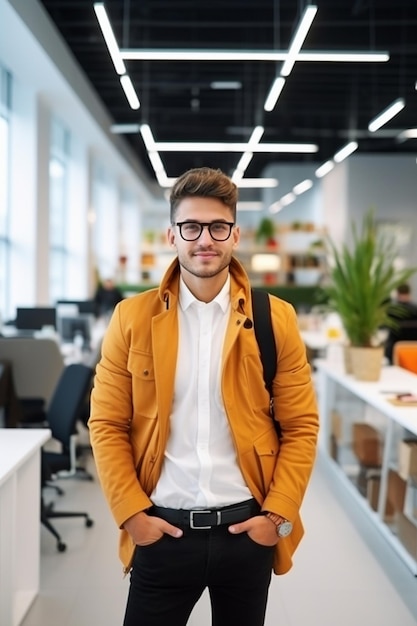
x=61, y=546
x=89, y=522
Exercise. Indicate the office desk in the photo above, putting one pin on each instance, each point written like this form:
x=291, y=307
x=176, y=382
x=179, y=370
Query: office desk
x=19, y=520
x=370, y=403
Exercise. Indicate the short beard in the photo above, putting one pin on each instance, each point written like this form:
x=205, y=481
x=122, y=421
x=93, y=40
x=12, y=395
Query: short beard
x=209, y=273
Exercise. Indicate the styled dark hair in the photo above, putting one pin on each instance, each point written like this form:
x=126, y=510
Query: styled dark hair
x=404, y=289
x=203, y=182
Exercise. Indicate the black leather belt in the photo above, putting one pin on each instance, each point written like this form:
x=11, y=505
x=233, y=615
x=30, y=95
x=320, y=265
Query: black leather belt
x=207, y=518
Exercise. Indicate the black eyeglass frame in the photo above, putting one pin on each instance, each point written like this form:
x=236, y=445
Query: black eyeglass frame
x=203, y=225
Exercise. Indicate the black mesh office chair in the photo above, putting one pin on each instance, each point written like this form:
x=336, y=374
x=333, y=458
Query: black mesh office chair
x=61, y=417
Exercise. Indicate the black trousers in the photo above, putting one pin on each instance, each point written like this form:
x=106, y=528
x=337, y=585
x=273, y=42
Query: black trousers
x=169, y=576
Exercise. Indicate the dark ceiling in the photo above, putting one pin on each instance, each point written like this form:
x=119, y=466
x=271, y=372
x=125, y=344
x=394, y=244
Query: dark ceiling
x=324, y=103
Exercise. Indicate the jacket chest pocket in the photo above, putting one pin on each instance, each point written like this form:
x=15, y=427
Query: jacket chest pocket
x=266, y=451
x=141, y=367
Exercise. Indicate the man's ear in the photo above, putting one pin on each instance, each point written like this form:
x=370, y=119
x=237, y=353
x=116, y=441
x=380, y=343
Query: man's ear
x=236, y=236
x=171, y=237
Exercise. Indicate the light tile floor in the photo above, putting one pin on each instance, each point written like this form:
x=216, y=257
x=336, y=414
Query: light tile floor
x=344, y=573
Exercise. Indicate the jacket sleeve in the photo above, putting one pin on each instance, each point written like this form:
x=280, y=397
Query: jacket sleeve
x=110, y=423
x=296, y=410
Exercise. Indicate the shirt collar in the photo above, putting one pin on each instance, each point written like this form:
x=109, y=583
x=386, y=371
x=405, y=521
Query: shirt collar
x=186, y=298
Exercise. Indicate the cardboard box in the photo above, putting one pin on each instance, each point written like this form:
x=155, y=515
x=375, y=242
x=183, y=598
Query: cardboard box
x=366, y=444
x=334, y=448
x=336, y=426
x=407, y=533
x=407, y=458
x=396, y=491
x=372, y=494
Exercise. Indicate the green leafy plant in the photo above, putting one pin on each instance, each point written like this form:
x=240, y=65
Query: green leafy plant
x=362, y=279
x=265, y=230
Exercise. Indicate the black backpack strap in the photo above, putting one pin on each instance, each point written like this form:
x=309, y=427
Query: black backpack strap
x=262, y=322
x=264, y=333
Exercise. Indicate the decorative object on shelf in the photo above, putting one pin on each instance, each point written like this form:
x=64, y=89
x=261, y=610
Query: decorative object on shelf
x=362, y=277
x=149, y=236
x=265, y=233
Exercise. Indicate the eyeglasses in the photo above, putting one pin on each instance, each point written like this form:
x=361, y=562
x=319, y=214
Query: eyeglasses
x=191, y=231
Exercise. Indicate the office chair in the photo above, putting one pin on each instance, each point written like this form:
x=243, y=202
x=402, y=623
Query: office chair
x=48, y=512
x=61, y=418
x=37, y=364
x=66, y=407
x=405, y=355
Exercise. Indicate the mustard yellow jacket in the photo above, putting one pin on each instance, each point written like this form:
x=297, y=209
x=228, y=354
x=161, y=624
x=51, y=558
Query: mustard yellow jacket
x=133, y=391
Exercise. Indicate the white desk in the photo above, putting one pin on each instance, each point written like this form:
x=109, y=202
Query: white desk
x=374, y=395
x=19, y=520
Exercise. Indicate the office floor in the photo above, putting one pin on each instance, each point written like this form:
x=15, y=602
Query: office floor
x=344, y=573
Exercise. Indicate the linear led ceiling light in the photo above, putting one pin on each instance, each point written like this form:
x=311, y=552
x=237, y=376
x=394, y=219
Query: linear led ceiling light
x=148, y=140
x=125, y=129
x=178, y=146
x=226, y=84
x=255, y=137
x=109, y=37
x=130, y=92
x=274, y=93
x=249, y=206
x=247, y=156
x=345, y=151
x=324, y=169
x=298, y=40
x=156, y=162
x=287, y=199
x=276, y=207
x=410, y=133
x=257, y=183
x=386, y=115
x=302, y=187
x=146, y=54
x=244, y=161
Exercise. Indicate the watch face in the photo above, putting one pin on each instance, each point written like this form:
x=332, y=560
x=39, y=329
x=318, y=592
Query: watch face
x=284, y=529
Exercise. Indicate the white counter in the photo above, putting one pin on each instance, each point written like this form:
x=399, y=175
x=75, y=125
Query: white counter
x=19, y=520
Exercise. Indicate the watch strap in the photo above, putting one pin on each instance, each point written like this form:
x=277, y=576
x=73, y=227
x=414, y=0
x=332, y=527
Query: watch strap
x=275, y=518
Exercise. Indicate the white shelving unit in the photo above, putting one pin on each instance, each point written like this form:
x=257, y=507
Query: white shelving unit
x=369, y=402
x=297, y=256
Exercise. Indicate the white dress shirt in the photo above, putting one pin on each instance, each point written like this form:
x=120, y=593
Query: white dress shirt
x=200, y=469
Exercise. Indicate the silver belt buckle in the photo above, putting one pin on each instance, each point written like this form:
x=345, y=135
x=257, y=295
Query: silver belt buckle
x=192, y=513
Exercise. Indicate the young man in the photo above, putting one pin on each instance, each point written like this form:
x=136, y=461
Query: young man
x=186, y=451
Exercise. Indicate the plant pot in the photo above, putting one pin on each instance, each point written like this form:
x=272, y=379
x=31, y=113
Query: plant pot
x=366, y=363
x=347, y=359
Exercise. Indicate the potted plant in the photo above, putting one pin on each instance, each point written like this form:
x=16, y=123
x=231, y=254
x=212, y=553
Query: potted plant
x=265, y=232
x=363, y=276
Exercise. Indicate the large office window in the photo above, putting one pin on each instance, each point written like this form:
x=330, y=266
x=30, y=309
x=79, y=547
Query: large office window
x=58, y=208
x=5, y=106
x=105, y=239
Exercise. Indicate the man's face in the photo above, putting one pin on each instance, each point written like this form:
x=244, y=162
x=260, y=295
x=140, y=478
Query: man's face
x=204, y=257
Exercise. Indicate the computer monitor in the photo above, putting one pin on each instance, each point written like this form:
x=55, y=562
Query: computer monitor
x=84, y=306
x=35, y=318
x=70, y=327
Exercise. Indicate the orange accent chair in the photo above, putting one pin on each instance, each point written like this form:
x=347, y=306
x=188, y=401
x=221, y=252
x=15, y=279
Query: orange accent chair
x=405, y=355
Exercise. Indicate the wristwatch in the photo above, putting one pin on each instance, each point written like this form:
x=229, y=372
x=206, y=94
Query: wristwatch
x=283, y=526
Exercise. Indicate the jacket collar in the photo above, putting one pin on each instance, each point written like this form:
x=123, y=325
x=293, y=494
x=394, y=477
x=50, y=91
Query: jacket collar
x=239, y=285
